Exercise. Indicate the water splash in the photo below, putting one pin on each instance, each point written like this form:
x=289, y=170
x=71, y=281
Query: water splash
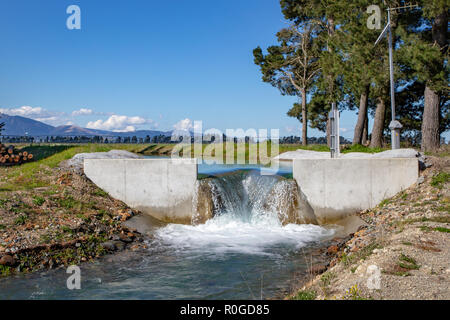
x=245, y=212
x=250, y=197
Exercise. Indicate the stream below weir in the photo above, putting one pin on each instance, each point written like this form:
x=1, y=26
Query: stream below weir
x=243, y=252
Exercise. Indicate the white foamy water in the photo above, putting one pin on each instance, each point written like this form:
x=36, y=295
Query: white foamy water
x=245, y=221
x=226, y=234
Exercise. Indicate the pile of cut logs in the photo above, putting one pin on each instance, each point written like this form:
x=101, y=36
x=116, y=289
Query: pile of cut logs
x=11, y=156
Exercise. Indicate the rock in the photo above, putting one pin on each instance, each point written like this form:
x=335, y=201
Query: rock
x=8, y=261
x=333, y=262
x=77, y=162
x=318, y=269
x=109, y=246
x=119, y=245
x=125, y=238
x=332, y=250
x=421, y=180
x=360, y=233
x=125, y=215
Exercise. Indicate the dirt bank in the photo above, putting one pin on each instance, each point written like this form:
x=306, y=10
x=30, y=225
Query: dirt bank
x=402, y=253
x=67, y=220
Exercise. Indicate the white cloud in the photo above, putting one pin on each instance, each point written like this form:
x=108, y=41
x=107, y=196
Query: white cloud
x=186, y=125
x=47, y=119
x=344, y=130
x=118, y=123
x=113, y=122
x=82, y=112
x=24, y=111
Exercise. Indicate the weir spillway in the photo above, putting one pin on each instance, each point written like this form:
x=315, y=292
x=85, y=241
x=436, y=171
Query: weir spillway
x=323, y=190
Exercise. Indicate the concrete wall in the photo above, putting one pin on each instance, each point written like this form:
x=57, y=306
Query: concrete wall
x=163, y=188
x=336, y=188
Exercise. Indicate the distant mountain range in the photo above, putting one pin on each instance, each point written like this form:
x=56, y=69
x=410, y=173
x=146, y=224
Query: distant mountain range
x=21, y=126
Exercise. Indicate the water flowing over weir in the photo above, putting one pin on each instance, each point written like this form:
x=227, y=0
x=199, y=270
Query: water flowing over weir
x=247, y=196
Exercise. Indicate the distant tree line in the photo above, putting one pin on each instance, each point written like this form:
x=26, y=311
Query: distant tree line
x=155, y=139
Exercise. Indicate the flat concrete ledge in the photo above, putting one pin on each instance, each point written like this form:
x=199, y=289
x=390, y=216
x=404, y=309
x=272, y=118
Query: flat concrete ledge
x=336, y=188
x=163, y=188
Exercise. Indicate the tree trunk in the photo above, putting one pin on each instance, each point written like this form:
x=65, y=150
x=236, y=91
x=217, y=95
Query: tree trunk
x=378, y=125
x=365, y=137
x=430, y=122
x=362, y=116
x=431, y=112
x=304, y=119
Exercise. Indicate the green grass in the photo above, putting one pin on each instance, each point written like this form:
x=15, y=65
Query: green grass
x=305, y=295
x=439, y=180
x=385, y=202
x=100, y=193
x=66, y=229
x=360, y=148
x=2, y=227
x=438, y=229
x=68, y=202
x=39, y=201
x=407, y=262
x=362, y=254
x=32, y=174
x=21, y=220
x=5, y=271
x=438, y=219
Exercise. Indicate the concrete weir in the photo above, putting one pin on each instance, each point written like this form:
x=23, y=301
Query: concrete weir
x=332, y=189
x=163, y=188
x=336, y=188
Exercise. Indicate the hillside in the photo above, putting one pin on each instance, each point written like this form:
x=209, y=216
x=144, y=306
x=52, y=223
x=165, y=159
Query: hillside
x=21, y=126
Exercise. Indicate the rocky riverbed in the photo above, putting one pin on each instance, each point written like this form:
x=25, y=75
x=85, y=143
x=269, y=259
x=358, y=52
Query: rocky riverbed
x=402, y=252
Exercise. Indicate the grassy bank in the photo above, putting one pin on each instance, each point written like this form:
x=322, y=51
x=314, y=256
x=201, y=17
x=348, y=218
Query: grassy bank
x=46, y=157
x=50, y=216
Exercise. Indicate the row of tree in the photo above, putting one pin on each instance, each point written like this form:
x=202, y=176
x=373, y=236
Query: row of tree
x=86, y=139
x=155, y=139
x=327, y=55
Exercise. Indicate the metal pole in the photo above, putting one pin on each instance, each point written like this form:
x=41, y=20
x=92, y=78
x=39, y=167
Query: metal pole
x=391, y=67
x=395, y=126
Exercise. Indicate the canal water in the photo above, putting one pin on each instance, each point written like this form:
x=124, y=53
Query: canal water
x=243, y=252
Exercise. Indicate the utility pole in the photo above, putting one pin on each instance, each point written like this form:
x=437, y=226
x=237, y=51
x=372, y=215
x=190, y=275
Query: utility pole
x=395, y=125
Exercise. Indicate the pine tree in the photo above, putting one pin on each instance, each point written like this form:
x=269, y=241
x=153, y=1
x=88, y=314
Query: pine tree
x=293, y=66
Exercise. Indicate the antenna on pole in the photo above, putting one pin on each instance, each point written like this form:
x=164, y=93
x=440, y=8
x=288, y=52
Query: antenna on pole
x=395, y=125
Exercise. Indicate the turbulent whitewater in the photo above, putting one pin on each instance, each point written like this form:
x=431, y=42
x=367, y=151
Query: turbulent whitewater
x=248, y=213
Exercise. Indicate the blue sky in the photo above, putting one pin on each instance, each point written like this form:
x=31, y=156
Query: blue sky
x=143, y=64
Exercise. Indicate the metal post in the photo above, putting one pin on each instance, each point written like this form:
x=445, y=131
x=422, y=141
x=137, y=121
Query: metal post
x=395, y=126
x=391, y=66
x=334, y=123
